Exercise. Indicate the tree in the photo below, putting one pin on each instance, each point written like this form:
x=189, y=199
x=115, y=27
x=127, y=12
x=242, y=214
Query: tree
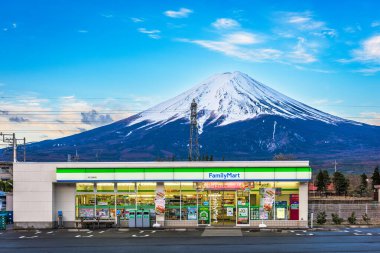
x=375, y=177
x=363, y=187
x=323, y=180
x=6, y=186
x=341, y=183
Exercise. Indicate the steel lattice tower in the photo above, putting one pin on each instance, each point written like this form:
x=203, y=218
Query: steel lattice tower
x=193, y=143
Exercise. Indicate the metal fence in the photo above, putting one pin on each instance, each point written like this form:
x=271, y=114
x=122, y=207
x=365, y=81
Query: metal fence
x=345, y=210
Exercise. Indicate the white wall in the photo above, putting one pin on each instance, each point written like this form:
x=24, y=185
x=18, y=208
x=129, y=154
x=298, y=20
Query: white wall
x=64, y=200
x=303, y=201
x=33, y=192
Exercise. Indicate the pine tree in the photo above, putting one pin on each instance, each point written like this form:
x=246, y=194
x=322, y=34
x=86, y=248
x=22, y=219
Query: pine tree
x=375, y=177
x=323, y=180
x=363, y=187
x=340, y=183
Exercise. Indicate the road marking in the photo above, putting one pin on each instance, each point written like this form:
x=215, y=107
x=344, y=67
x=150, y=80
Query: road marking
x=141, y=231
x=291, y=231
x=50, y=232
x=78, y=236
x=89, y=232
x=304, y=231
x=101, y=232
x=26, y=237
x=369, y=233
x=153, y=231
x=298, y=234
x=358, y=231
x=311, y=234
x=141, y=236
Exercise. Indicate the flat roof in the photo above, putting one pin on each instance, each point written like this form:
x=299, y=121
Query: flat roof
x=183, y=164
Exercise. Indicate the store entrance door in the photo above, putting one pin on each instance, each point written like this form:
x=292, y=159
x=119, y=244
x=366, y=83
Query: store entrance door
x=223, y=208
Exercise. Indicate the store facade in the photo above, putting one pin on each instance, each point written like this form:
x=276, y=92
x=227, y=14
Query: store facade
x=176, y=194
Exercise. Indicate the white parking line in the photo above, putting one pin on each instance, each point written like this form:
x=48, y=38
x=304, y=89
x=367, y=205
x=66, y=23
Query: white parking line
x=77, y=236
x=50, y=232
x=89, y=232
x=26, y=237
x=146, y=235
x=142, y=231
x=101, y=232
x=369, y=233
x=153, y=232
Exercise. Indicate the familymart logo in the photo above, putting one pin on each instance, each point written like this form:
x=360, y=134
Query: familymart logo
x=224, y=175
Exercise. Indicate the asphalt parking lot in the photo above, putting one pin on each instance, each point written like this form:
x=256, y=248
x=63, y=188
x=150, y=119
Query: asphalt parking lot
x=199, y=240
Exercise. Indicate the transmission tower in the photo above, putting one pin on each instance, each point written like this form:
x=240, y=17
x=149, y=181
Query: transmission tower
x=193, y=144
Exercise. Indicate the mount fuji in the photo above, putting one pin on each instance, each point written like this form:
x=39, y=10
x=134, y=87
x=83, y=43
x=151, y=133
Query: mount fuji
x=239, y=118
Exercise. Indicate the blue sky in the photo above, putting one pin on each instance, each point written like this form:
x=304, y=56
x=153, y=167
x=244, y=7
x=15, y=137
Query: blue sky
x=80, y=56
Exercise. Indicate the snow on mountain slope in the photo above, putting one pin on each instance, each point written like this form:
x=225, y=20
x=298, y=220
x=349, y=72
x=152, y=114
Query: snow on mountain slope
x=232, y=97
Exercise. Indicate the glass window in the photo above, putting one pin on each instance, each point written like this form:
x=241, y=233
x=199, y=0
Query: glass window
x=105, y=206
x=126, y=187
x=189, y=201
x=125, y=203
x=85, y=206
x=105, y=187
x=172, y=200
x=145, y=196
x=85, y=187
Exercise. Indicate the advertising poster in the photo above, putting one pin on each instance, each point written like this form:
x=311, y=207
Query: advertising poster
x=230, y=211
x=191, y=213
x=204, y=217
x=86, y=212
x=159, y=201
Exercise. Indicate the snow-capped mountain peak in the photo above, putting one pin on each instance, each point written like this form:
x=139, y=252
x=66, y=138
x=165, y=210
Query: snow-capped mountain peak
x=228, y=98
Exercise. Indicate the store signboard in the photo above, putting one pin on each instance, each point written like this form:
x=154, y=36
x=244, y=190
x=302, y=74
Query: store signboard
x=185, y=174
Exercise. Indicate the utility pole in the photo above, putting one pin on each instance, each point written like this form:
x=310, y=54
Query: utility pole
x=11, y=138
x=193, y=142
x=335, y=166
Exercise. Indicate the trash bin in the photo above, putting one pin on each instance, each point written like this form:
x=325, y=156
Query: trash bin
x=132, y=219
x=3, y=221
x=60, y=219
x=146, y=219
x=139, y=218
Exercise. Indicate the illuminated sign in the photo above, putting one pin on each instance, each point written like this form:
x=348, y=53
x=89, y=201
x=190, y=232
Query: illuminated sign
x=223, y=175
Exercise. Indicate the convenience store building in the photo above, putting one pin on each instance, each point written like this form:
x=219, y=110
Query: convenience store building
x=176, y=194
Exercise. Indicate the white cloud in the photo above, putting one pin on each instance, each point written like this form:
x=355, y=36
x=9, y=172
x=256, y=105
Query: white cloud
x=372, y=118
x=181, y=13
x=137, y=20
x=154, y=34
x=225, y=23
x=14, y=25
x=107, y=15
x=375, y=24
x=352, y=29
x=369, y=51
x=300, y=53
x=305, y=22
x=324, y=102
x=241, y=38
x=237, y=51
x=369, y=71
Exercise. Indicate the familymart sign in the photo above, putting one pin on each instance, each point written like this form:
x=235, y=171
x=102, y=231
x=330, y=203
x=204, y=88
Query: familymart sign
x=183, y=174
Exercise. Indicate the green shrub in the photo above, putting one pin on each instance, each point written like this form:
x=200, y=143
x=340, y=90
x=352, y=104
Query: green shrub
x=321, y=218
x=352, y=219
x=336, y=219
x=366, y=218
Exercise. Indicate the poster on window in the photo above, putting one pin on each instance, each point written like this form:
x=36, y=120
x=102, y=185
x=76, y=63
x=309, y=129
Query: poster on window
x=230, y=211
x=159, y=201
x=268, y=195
x=191, y=213
x=86, y=212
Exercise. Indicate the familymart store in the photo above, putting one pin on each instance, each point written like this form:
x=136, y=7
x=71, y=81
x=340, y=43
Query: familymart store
x=172, y=194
